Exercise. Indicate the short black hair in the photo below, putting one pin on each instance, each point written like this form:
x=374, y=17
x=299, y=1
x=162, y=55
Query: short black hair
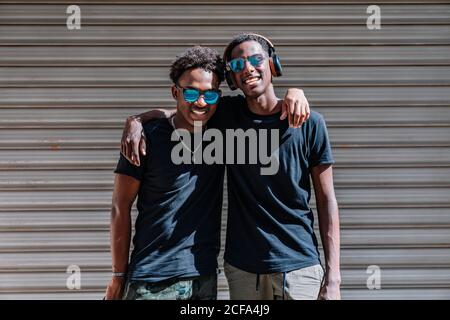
x=244, y=37
x=197, y=57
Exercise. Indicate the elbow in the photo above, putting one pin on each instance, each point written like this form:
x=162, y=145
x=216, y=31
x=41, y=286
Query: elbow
x=333, y=203
x=328, y=200
x=328, y=205
x=120, y=210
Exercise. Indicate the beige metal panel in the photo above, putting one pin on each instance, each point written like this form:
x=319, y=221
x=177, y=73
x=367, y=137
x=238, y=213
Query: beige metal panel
x=414, y=136
x=55, y=260
x=365, y=76
x=391, y=157
x=437, y=278
x=47, y=295
x=98, y=158
x=110, y=138
x=397, y=197
x=348, y=196
x=189, y=35
x=20, y=200
x=157, y=76
x=279, y=14
x=163, y=55
x=391, y=238
x=397, y=294
x=61, y=220
x=360, y=116
x=323, y=96
x=395, y=257
x=394, y=217
x=60, y=179
x=344, y=176
x=391, y=278
x=352, y=278
x=62, y=117
x=398, y=177
x=60, y=138
x=114, y=116
x=96, y=240
x=20, y=260
x=350, y=218
x=428, y=136
x=348, y=294
x=55, y=281
x=390, y=137
x=95, y=158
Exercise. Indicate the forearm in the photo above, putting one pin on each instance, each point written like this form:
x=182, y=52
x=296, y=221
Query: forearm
x=120, y=238
x=154, y=114
x=330, y=234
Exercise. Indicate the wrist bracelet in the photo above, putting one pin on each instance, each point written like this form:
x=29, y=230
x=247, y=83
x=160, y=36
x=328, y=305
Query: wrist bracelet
x=119, y=274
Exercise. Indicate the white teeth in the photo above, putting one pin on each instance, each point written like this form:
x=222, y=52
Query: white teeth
x=251, y=80
x=201, y=112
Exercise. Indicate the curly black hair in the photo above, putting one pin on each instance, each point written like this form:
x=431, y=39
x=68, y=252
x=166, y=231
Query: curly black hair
x=197, y=57
x=243, y=37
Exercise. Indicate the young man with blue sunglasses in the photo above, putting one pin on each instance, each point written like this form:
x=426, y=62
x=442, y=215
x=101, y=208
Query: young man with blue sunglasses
x=271, y=249
x=177, y=238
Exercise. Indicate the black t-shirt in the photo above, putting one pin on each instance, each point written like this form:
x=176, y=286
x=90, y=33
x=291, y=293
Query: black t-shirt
x=178, y=225
x=270, y=221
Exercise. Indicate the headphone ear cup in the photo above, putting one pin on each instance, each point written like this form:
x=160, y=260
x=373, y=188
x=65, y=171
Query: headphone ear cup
x=230, y=81
x=278, y=70
x=272, y=68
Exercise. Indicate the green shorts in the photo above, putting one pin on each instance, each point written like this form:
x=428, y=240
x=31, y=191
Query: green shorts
x=194, y=288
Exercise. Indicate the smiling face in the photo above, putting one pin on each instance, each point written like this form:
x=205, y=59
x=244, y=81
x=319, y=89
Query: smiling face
x=199, y=110
x=252, y=80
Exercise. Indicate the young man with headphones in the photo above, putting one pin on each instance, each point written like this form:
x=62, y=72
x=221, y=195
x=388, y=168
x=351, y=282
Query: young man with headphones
x=271, y=249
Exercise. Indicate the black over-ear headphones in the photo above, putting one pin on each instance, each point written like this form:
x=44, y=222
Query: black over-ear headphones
x=274, y=62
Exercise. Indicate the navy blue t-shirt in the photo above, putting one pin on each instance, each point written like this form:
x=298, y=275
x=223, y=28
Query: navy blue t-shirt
x=270, y=221
x=178, y=225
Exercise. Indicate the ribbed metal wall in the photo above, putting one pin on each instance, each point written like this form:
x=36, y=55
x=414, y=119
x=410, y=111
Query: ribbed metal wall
x=64, y=96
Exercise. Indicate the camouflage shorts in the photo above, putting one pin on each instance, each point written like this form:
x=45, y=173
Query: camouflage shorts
x=194, y=288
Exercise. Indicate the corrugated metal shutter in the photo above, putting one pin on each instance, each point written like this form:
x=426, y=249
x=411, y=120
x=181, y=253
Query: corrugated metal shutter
x=64, y=96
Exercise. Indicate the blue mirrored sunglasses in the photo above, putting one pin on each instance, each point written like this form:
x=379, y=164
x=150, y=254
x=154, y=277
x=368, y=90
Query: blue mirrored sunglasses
x=209, y=96
x=238, y=64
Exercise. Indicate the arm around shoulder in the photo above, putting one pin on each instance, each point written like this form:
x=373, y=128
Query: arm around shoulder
x=133, y=141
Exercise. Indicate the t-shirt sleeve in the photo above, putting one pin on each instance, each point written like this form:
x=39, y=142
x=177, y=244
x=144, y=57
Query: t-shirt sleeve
x=129, y=169
x=320, y=147
x=126, y=168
